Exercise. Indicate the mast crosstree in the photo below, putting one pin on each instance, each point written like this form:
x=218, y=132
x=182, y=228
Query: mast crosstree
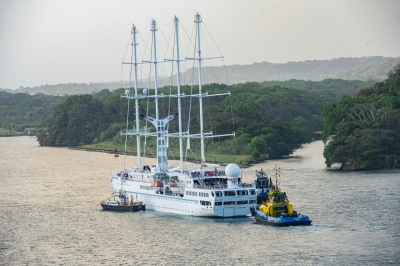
x=160, y=124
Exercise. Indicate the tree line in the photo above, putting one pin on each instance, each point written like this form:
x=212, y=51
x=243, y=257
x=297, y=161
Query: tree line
x=270, y=121
x=362, y=132
x=360, y=119
x=22, y=110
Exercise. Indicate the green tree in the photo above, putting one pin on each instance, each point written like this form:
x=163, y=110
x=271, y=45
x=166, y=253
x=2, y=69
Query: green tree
x=361, y=132
x=257, y=148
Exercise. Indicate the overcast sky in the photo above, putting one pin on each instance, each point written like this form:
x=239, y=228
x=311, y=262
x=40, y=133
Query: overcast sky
x=81, y=41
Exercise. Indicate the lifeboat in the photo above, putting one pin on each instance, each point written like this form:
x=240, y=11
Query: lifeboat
x=173, y=184
x=120, y=203
x=157, y=183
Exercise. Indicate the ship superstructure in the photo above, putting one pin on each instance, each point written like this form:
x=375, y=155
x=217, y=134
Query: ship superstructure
x=210, y=190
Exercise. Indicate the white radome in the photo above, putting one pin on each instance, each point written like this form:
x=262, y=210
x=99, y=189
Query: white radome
x=232, y=170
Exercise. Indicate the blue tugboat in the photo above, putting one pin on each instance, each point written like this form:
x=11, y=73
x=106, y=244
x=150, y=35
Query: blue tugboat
x=120, y=203
x=277, y=210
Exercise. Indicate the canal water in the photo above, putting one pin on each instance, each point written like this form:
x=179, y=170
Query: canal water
x=50, y=214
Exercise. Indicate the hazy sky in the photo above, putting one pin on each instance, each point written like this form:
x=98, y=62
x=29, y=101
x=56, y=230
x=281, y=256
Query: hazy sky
x=54, y=41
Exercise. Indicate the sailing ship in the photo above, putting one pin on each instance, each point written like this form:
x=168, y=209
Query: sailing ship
x=209, y=190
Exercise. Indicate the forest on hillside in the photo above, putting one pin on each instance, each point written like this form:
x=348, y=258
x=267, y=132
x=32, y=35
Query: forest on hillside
x=364, y=68
x=19, y=111
x=269, y=121
x=362, y=132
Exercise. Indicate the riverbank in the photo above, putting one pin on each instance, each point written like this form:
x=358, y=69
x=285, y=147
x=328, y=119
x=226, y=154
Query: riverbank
x=111, y=151
x=15, y=134
x=173, y=154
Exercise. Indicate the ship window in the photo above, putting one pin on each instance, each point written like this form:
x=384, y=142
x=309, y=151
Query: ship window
x=242, y=192
x=202, y=194
x=218, y=193
x=205, y=203
x=252, y=202
x=191, y=193
x=212, y=193
x=218, y=203
x=252, y=192
x=230, y=193
x=229, y=203
x=239, y=202
x=277, y=198
x=262, y=182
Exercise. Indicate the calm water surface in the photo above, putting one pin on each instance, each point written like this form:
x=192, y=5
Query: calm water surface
x=50, y=214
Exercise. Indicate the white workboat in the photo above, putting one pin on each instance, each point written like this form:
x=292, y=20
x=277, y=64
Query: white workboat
x=209, y=190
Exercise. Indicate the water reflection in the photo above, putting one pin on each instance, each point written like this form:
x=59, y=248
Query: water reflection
x=50, y=214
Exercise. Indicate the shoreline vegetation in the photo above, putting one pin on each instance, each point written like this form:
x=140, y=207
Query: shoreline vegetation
x=242, y=160
x=362, y=132
x=270, y=121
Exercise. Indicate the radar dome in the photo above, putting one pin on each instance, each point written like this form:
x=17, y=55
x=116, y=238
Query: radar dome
x=232, y=170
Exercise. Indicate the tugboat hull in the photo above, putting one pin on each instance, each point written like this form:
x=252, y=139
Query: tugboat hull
x=295, y=220
x=119, y=208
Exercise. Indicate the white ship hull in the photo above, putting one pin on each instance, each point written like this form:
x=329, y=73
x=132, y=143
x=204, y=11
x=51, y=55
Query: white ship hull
x=205, y=202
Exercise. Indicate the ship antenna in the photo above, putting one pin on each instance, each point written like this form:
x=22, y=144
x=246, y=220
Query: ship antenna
x=277, y=173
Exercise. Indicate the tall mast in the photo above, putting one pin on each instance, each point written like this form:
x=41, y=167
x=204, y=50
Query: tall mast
x=199, y=59
x=178, y=76
x=154, y=29
x=159, y=124
x=134, y=44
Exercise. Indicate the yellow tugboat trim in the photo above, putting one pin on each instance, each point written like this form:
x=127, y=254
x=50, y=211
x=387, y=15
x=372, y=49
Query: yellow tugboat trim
x=277, y=203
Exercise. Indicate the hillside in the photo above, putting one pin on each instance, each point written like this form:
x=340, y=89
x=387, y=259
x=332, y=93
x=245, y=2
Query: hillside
x=365, y=68
x=362, y=132
x=270, y=121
